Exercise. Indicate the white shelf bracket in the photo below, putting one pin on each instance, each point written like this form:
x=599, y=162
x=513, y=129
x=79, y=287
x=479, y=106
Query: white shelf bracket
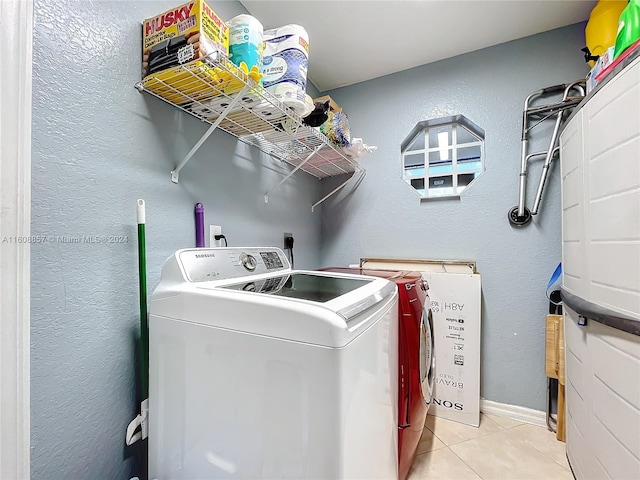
x=175, y=173
x=298, y=167
x=335, y=190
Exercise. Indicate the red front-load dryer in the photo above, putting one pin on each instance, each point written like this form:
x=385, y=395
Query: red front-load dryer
x=416, y=360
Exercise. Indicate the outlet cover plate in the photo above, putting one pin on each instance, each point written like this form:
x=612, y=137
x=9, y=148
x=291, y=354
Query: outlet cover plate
x=213, y=231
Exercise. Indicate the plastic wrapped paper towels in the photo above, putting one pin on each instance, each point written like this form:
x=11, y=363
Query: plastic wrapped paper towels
x=246, y=40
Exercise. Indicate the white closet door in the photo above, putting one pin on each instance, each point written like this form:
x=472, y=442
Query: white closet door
x=16, y=18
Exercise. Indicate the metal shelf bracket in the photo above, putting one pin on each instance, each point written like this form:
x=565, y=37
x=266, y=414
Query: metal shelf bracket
x=335, y=190
x=266, y=195
x=175, y=173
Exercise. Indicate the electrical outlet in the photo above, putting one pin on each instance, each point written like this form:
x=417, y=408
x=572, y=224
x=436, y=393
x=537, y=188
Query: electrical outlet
x=284, y=241
x=213, y=231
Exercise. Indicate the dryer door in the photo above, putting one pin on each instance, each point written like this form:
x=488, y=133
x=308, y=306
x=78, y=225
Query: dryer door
x=427, y=358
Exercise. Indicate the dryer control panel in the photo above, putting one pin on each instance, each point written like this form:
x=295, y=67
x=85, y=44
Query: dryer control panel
x=207, y=264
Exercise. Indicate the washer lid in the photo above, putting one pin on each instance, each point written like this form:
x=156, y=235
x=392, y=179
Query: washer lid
x=304, y=286
x=346, y=295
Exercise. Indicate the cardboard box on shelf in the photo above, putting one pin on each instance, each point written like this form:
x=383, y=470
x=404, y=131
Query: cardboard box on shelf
x=603, y=62
x=629, y=52
x=185, y=33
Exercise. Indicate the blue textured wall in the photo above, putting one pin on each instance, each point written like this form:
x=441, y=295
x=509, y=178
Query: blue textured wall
x=384, y=218
x=98, y=145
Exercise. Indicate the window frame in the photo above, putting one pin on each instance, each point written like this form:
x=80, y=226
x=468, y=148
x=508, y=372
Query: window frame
x=422, y=129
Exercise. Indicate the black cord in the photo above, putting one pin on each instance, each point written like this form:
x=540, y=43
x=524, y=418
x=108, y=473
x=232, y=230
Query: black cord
x=291, y=252
x=218, y=237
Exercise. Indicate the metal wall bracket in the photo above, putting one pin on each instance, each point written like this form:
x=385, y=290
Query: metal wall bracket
x=175, y=173
x=335, y=190
x=266, y=195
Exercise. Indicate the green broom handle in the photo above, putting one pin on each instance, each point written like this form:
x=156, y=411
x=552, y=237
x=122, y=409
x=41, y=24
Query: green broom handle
x=144, y=323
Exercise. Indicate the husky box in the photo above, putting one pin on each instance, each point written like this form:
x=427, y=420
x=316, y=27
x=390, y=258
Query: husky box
x=185, y=33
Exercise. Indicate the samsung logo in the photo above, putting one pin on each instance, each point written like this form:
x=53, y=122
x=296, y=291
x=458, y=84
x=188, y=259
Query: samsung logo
x=205, y=255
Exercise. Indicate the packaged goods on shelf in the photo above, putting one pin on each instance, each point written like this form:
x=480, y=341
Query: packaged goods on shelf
x=285, y=63
x=188, y=32
x=602, y=63
x=628, y=27
x=337, y=129
x=246, y=41
x=181, y=84
x=629, y=53
x=601, y=29
x=251, y=115
x=232, y=98
x=200, y=81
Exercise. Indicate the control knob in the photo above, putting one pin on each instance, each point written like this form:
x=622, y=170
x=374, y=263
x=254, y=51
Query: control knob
x=248, y=262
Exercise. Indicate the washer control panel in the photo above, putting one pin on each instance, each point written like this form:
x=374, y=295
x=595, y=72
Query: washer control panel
x=207, y=264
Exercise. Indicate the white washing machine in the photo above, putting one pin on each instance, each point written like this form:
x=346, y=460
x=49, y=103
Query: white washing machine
x=260, y=372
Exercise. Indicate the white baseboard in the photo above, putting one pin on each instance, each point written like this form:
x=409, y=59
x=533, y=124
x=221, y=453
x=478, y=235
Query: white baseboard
x=514, y=412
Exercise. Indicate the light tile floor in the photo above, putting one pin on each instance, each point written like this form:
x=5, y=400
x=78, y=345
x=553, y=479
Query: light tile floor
x=499, y=449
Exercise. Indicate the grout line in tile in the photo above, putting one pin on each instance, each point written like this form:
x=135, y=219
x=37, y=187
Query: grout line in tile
x=501, y=428
x=494, y=422
x=485, y=436
x=434, y=434
x=566, y=467
x=425, y=426
x=470, y=467
x=545, y=454
x=444, y=445
x=508, y=428
x=518, y=439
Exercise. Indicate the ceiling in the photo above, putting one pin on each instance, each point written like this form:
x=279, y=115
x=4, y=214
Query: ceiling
x=351, y=41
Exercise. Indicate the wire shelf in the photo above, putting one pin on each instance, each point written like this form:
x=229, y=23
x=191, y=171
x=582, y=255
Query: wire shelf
x=217, y=92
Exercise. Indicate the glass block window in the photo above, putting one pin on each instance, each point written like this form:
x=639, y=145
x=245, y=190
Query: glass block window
x=441, y=157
